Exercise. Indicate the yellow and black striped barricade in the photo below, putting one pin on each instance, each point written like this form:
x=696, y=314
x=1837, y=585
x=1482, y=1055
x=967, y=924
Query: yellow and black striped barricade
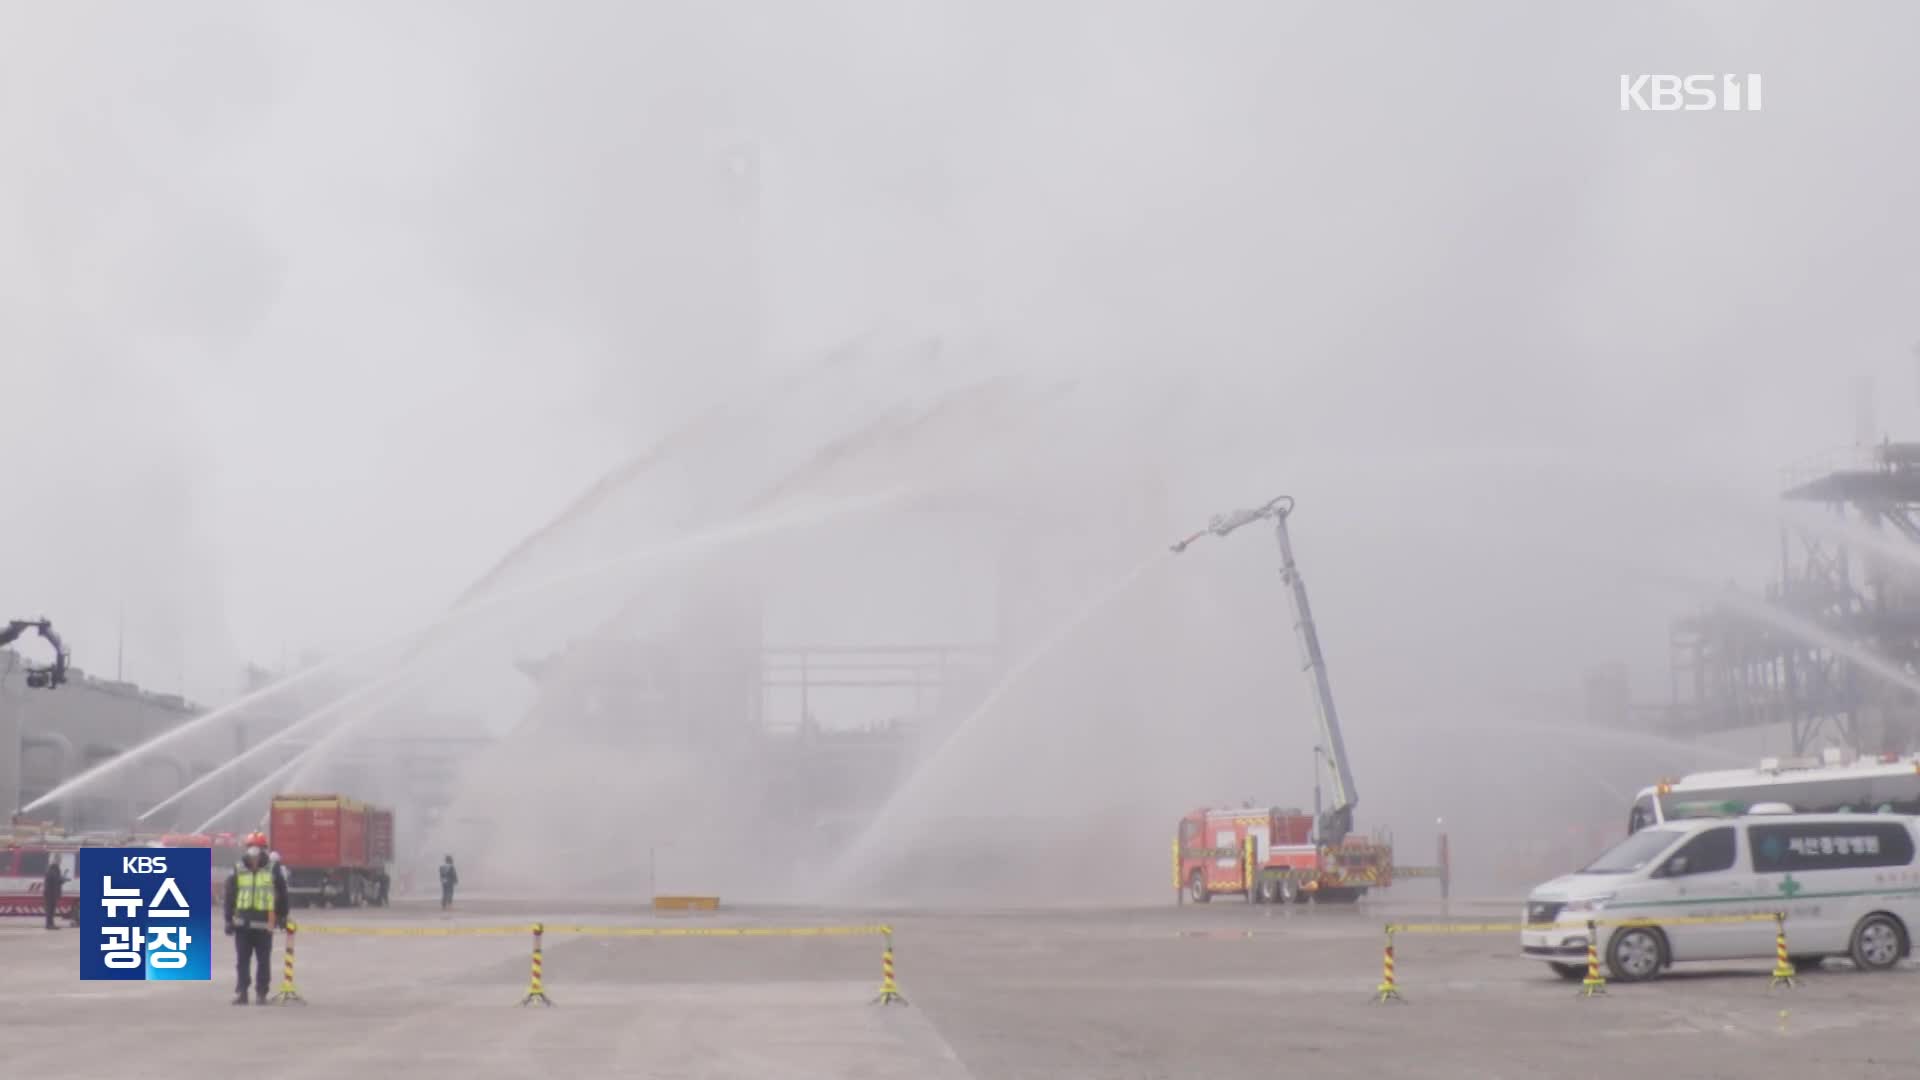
x=889, y=990
x=1783, y=972
x=289, y=994
x=1388, y=990
x=536, y=986
x=536, y=989
x=1594, y=984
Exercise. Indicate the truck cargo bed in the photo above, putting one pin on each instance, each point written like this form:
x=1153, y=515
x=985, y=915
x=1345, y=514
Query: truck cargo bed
x=335, y=850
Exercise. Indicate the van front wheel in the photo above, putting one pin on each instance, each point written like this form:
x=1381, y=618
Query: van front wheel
x=1636, y=954
x=1878, y=943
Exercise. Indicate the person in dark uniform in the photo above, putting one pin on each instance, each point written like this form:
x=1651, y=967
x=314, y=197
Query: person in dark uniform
x=50, y=889
x=256, y=898
x=449, y=877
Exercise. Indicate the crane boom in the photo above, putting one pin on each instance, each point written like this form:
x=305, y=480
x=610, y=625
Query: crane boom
x=1337, y=820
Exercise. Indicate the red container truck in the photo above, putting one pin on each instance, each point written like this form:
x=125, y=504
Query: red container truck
x=335, y=850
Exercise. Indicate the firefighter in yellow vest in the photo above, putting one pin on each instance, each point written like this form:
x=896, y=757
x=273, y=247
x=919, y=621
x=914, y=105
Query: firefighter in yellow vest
x=256, y=902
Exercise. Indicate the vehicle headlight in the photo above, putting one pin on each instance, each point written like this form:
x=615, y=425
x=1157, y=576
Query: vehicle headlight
x=1596, y=903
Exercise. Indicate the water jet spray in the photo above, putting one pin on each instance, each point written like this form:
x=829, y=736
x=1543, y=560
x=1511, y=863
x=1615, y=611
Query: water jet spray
x=652, y=558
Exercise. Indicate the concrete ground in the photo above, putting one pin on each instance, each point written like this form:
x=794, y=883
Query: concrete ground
x=1218, y=991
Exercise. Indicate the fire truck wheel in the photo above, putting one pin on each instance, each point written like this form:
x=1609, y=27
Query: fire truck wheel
x=1289, y=891
x=1197, y=888
x=1269, y=891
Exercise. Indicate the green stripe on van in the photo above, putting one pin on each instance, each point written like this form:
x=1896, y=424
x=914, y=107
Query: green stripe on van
x=1750, y=899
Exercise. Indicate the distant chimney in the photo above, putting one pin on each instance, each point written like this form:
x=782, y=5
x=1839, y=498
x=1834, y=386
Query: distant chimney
x=1864, y=429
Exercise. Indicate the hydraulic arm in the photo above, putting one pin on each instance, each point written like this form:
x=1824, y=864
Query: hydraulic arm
x=1337, y=820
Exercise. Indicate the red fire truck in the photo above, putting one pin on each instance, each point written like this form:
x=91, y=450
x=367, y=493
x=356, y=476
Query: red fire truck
x=1268, y=854
x=23, y=870
x=1272, y=855
x=336, y=850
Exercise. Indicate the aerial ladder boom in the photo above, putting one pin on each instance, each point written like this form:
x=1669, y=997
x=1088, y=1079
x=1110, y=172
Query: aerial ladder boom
x=1337, y=820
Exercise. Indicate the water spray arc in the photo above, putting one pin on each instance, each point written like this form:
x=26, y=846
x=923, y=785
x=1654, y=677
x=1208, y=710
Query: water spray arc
x=480, y=596
x=705, y=424
x=907, y=804
x=1813, y=633
x=265, y=784
x=652, y=559
x=309, y=755
x=476, y=597
x=381, y=690
x=395, y=689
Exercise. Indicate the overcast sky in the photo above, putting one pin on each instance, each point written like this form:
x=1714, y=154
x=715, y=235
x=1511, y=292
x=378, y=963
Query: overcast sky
x=309, y=312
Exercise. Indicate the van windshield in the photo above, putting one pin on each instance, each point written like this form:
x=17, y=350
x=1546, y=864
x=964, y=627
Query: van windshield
x=1635, y=851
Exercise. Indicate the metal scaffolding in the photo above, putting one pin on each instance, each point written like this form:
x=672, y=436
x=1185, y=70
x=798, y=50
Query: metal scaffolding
x=1733, y=671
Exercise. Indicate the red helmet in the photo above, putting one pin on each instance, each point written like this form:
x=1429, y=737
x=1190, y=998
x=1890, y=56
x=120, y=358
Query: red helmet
x=257, y=839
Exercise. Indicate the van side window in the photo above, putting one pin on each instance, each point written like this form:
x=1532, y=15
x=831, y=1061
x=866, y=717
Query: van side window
x=1709, y=853
x=1838, y=846
x=32, y=864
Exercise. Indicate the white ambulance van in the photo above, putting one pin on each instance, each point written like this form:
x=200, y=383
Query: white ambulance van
x=1848, y=884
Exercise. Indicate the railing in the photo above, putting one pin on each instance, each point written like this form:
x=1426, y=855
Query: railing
x=1854, y=458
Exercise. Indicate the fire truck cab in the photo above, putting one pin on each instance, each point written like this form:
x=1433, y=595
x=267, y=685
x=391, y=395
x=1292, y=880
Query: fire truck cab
x=1268, y=855
x=23, y=869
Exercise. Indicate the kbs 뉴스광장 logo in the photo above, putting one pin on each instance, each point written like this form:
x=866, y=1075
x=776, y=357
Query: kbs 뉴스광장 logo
x=146, y=914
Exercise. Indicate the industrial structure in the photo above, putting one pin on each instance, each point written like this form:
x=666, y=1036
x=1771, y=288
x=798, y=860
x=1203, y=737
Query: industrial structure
x=49, y=738
x=1733, y=670
x=798, y=741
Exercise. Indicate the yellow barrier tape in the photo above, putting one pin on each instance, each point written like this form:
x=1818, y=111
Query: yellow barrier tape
x=599, y=931
x=1570, y=924
x=412, y=931
x=721, y=931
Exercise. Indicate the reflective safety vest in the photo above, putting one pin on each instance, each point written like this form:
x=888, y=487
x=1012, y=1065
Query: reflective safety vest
x=255, y=892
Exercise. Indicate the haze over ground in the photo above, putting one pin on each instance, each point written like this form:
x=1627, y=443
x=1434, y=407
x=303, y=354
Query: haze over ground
x=311, y=313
